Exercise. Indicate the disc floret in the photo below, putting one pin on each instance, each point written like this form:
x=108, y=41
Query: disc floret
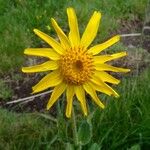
x=76, y=66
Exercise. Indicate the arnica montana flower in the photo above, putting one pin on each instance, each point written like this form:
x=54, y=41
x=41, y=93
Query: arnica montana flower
x=75, y=67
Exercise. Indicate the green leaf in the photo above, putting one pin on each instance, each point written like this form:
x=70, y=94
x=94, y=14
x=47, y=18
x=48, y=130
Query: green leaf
x=69, y=146
x=94, y=146
x=135, y=147
x=84, y=133
x=62, y=126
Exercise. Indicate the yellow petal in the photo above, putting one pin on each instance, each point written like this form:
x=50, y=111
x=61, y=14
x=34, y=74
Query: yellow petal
x=50, y=80
x=91, y=30
x=105, y=58
x=106, y=67
x=63, y=38
x=101, y=59
x=98, y=48
x=53, y=43
x=118, y=55
x=49, y=65
x=69, y=94
x=108, y=89
x=105, y=77
x=93, y=94
x=80, y=93
x=74, y=35
x=44, y=52
x=57, y=92
x=99, y=88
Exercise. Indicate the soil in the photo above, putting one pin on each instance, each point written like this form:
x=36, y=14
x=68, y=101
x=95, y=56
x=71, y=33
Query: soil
x=136, y=61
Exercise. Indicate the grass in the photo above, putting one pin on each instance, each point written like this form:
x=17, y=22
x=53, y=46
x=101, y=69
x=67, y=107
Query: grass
x=124, y=124
x=24, y=132
x=5, y=92
x=19, y=17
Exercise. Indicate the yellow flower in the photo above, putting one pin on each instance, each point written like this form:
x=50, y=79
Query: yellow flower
x=75, y=67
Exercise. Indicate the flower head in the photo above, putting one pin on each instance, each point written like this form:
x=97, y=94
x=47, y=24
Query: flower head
x=75, y=68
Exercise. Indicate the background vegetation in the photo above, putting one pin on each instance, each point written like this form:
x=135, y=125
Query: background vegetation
x=124, y=124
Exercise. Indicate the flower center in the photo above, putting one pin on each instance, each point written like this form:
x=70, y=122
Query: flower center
x=76, y=66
